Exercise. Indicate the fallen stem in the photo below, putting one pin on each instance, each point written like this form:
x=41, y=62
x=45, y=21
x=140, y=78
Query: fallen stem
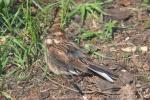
x=59, y=83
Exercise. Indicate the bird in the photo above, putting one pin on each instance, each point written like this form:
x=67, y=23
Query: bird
x=66, y=57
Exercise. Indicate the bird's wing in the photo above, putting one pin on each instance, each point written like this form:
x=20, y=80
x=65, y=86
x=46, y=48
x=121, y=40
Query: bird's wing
x=75, y=60
x=62, y=61
x=56, y=60
x=105, y=73
x=81, y=61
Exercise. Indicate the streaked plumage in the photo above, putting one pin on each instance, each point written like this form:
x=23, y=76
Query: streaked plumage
x=65, y=57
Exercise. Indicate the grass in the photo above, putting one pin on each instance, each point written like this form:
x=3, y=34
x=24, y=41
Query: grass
x=5, y=3
x=69, y=8
x=22, y=32
x=105, y=34
x=22, y=44
x=24, y=25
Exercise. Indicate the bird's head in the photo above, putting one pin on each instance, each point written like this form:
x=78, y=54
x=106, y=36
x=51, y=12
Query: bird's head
x=54, y=38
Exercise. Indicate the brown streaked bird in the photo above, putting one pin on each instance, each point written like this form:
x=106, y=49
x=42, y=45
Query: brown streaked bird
x=65, y=57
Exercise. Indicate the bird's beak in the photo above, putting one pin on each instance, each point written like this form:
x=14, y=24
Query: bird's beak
x=56, y=41
x=58, y=33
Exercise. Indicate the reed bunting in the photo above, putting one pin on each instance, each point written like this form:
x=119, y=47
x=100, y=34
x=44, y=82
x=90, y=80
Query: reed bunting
x=65, y=57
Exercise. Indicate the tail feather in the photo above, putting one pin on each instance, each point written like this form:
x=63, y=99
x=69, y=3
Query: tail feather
x=102, y=72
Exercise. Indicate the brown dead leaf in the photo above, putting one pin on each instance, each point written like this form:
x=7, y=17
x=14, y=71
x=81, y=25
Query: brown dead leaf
x=118, y=13
x=2, y=41
x=126, y=77
x=126, y=2
x=142, y=39
x=129, y=49
x=32, y=95
x=95, y=25
x=136, y=61
x=3, y=98
x=147, y=96
x=128, y=93
x=146, y=67
x=144, y=49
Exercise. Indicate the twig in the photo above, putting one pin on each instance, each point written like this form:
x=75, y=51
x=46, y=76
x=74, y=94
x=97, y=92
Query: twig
x=36, y=4
x=118, y=44
x=101, y=92
x=142, y=97
x=59, y=83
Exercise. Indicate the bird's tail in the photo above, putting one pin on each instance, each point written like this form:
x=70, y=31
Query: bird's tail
x=102, y=72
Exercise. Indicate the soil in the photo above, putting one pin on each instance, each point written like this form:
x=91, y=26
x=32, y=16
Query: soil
x=127, y=55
